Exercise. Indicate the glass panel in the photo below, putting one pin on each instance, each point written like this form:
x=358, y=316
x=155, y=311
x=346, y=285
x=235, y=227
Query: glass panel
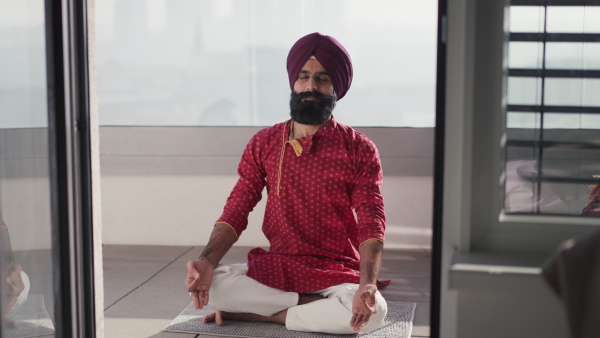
x=222, y=62
x=522, y=120
x=524, y=90
x=525, y=55
x=563, y=19
x=592, y=24
x=573, y=55
x=562, y=121
x=591, y=121
x=24, y=181
x=552, y=159
x=572, y=92
x=526, y=19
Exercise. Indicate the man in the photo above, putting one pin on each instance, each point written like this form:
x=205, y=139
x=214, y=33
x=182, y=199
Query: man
x=320, y=273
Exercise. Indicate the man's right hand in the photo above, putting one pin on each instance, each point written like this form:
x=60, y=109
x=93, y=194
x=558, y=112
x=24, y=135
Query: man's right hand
x=198, y=281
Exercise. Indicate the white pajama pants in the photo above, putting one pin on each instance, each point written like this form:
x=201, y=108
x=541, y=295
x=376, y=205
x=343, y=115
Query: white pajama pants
x=23, y=295
x=233, y=291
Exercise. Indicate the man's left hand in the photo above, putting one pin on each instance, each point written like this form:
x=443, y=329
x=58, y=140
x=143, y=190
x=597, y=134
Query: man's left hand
x=13, y=287
x=364, y=305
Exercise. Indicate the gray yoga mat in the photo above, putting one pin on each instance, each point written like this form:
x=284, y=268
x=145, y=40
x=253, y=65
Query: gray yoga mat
x=32, y=318
x=398, y=324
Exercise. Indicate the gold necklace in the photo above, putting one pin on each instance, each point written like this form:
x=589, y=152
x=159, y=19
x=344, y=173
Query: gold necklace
x=292, y=131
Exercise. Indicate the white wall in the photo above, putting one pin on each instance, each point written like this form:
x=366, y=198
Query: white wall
x=181, y=210
x=168, y=185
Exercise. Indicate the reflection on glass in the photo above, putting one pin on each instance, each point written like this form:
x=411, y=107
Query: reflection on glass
x=593, y=208
x=526, y=19
x=553, y=148
x=222, y=62
x=24, y=182
x=573, y=55
x=523, y=194
x=524, y=90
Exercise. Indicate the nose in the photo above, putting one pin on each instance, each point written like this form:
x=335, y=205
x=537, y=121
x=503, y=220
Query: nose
x=311, y=84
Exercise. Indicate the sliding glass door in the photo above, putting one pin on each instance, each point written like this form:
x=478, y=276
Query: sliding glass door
x=45, y=256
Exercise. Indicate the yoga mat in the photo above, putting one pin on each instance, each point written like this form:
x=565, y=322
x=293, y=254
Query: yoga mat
x=398, y=324
x=32, y=317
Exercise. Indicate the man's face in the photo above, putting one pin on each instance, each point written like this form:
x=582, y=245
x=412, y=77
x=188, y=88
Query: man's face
x=313, y=78
x=313, y=98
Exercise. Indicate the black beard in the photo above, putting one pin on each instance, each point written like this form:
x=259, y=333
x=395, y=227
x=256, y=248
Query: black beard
x=312, y=113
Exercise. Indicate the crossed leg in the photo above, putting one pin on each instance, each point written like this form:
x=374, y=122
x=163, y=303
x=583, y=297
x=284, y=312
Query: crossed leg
x=239, y=297
x=219, y=316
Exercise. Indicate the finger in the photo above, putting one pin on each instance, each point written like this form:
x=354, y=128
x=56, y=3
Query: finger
x=357, y=324
x=365, y=320
x=200, y=299
x=195, y=299
x=356, y=321
x=12, y=289
x=191, y=283
x=11, y=302
x=206, y=295
x=353, y=320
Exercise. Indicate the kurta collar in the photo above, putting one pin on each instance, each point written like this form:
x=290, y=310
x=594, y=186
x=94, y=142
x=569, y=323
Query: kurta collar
x=304, y=144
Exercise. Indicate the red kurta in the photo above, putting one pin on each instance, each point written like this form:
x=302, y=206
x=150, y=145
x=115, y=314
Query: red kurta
x=314, y=185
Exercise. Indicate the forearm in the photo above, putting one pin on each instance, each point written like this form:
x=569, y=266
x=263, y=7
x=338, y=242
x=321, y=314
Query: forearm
x=221, y=240
x=6, y=247
x=370, y=261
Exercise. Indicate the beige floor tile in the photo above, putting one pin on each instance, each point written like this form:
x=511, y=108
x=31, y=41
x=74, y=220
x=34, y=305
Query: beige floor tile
x=164, y=296
x=122, y=276
x=415, y=288
x=123, y=327
x=421, y=320
x=407, y=262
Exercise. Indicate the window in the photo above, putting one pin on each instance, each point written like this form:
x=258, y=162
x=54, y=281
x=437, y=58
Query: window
x=222, y=62
x=553, y=113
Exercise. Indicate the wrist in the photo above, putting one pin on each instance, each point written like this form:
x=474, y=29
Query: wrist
x=367, y=286
x=210, y=261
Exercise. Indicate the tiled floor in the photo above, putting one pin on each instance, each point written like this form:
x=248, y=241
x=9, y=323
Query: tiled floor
x=144, y=289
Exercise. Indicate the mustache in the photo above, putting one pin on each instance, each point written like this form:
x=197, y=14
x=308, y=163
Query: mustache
x=314, y=94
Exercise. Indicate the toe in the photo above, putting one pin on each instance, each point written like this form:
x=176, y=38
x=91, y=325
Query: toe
x=209, y=318
x=219, y=317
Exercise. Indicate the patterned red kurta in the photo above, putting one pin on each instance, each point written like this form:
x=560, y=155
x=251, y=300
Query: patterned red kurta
x=314, y=185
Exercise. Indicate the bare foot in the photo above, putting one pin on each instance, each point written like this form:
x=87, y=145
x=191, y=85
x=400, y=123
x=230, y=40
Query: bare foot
x=218, y=316
x=215, y=316
x=10, y=323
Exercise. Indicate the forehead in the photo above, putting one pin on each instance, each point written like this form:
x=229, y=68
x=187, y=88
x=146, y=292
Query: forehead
x=313, y=66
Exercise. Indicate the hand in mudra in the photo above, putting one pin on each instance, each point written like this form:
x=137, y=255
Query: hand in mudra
x=364, y=305
x=12, y=288
x=198, y=281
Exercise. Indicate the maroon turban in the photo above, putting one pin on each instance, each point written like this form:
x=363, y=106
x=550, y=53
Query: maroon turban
x=329, y=52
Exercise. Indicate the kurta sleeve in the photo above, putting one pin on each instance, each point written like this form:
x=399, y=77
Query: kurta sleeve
x=366, y=195
x=248, y=189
